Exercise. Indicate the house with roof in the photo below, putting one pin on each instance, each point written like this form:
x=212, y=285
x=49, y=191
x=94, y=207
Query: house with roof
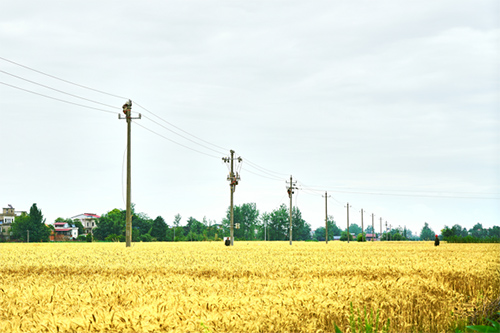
x=88, y=220
x=370, y=237
x=64, y=231
x=7, y=217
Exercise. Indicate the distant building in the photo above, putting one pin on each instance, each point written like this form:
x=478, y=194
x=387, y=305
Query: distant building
x=369, y=237
x=7, y=217
x=64, y=231
x=88, y=221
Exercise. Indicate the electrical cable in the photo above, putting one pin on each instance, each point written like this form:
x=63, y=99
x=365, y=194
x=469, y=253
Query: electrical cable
x=63, y=80
x=180, y=129
x=177, y=143
x=182, y=136
x=57, y=99
x=60, y=91
x=276, y=179
x=264, y=170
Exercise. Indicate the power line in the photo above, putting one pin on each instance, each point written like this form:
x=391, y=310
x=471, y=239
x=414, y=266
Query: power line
x=180, y=129
x=182, y=136
x=60, y=91
x=264, y=170
x=272, y=178
x=57, y=99
x=315, y=188
x=177, y=143
x=63, y=80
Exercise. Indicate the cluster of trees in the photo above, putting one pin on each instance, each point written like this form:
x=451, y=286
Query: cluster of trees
x=31, y=226
x=249, y=225
x=477, y=234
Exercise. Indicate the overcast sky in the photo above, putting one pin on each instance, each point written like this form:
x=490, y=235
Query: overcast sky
x=392, y=106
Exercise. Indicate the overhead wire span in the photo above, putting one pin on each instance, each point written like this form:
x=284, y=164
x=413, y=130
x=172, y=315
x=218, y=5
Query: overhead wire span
x=413, y=195
x=57, y=99
x=272, y=178
x=59, y=91
x=178, y=128
x=63, y=80
x=182, y=136
x=175, y=142
x=264, y=170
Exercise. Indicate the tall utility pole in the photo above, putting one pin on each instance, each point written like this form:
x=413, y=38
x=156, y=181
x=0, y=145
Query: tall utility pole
x=233, y=181
x=290, y=191
x=373, y=228
x=348, y=234
x=326, y=216
x=127, y=110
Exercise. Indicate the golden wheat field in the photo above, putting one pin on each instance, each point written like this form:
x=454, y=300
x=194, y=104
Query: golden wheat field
x=251, y=287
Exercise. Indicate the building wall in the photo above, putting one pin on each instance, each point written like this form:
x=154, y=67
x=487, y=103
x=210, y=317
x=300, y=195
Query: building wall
x=6, y=219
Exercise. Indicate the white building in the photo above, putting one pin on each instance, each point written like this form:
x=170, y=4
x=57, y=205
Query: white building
x=64, y=231
x=88, y=220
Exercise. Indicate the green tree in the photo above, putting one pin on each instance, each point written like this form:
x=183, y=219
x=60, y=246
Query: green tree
x=142, y=223
x=34, y=222
x=343, y=236
x=194, y=229
x=494, y=231
x=247, y=216
x=478, y=231
x=301, y=229
x=159, y=229
x=333, y=229
x=319, y=234
x=278, y=224
x=111, y=223
x=354, y=229
x=427, y=233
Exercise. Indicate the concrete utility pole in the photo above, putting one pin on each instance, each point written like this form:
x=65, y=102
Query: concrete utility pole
x=348, y=234
x=362, y=227
x=326, y=216
x=290, y=189
x=373, y=228
x=387, y=234
x=28, y=236
x=380, y=228
x=233, y=181
x=127, y=110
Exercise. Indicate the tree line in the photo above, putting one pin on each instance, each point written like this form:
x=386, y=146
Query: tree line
x=249, y=225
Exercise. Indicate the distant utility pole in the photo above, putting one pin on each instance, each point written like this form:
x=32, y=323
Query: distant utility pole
x=326, y=216
x=373, y=228
x=348, y=234
x=362, y=227
x=387, y=234
x=233, y=181
x=292, y=186
x=380, y=228
x=127, y=110
x=265, y=230
x=28, y=236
